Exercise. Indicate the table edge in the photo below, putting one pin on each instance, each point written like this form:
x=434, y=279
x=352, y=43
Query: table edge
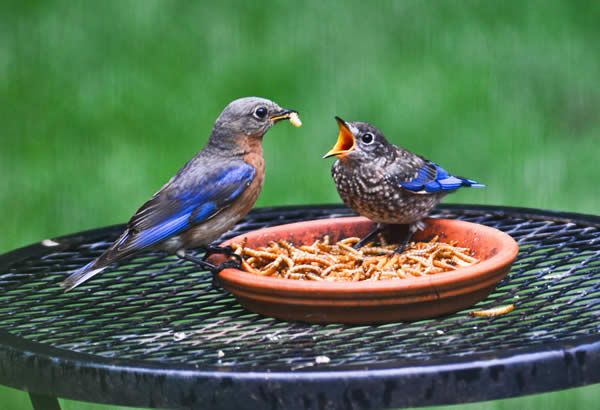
x=41, y=369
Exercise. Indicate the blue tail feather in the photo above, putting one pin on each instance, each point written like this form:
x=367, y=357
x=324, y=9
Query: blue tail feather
x=432, y=178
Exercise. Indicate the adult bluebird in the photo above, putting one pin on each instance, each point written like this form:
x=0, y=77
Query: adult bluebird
x=207, y=197
x=386, y=183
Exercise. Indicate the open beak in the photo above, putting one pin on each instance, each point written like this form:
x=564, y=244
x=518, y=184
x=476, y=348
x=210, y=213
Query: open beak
x=345, y=142
x=291, y=115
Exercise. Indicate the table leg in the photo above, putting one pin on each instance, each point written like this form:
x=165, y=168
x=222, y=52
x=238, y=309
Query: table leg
x=43, y=402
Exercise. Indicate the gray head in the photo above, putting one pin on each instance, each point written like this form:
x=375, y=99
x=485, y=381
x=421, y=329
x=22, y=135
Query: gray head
x=248, y=117
x=359, y=141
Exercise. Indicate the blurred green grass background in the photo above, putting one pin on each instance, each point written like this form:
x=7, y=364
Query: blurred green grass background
x=101, y=102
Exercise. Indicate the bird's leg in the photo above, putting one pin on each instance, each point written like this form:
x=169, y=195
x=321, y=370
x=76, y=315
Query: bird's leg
x=214, y=269
x=412, y=228
x=369, y=237
x=214, y=284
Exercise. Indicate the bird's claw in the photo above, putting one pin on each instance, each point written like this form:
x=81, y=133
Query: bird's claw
x=230, y=264
x=412, y=229
x=401, y=248
x=213, y=269
x=223, y=250
x=369, y=237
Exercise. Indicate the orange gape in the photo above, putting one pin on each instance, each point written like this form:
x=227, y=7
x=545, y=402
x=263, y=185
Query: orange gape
x=323, y=261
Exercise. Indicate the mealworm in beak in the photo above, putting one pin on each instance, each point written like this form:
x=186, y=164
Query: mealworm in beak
x=295, y=120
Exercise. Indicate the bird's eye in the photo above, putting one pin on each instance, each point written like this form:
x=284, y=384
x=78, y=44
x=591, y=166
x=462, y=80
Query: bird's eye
x=367, y=138
x=260, y=113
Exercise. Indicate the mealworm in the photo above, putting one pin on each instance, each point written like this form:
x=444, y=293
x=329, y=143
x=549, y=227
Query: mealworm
x=325, y=260
x=497, y=311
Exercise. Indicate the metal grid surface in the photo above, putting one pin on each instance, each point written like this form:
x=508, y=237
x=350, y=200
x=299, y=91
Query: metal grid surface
x=162, y=311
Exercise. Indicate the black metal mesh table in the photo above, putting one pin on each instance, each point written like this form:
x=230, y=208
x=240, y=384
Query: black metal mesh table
x=152, y=332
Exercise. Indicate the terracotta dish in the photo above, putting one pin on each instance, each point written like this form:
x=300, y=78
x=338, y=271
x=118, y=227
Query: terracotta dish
x=372, y=301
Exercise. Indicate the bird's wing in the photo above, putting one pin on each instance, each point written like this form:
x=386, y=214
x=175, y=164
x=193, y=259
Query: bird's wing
x=188, y=199
x=185, y=202
x=429, y=178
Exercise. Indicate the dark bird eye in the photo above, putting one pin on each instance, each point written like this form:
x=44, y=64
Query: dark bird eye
x=367, y=138
x=260, y=113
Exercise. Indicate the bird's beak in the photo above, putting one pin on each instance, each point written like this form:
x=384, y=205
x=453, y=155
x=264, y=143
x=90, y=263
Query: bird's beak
x=291, y=115
x=345, y=142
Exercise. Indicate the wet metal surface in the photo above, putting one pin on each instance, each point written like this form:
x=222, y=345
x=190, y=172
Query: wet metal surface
x=151, y=331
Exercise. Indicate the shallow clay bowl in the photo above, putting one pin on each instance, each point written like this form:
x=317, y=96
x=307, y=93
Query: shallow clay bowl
x=372, y=301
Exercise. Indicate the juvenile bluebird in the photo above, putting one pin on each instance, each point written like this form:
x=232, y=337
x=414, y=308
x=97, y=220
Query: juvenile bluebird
x=207, y=197
x=386, y=183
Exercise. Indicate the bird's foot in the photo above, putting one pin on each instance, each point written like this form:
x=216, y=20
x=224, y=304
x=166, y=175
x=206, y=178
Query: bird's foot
x=412, y=228
x=369, y=237
x=229, y=264
x=212, y=268
x=223, y=250
x=235, y=263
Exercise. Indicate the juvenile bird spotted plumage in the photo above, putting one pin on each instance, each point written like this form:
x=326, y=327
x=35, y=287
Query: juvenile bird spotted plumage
x=386, y=183
x=207, y=197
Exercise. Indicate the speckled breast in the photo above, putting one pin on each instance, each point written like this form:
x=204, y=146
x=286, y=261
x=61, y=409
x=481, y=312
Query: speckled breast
x=368, y=192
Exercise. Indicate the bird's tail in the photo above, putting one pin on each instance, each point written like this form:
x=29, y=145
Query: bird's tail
x=81, y=275
x=470, y=183
x=452, y=183
x=112, y=254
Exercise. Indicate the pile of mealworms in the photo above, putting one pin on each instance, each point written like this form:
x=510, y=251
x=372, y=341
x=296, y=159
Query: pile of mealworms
x=339, y=261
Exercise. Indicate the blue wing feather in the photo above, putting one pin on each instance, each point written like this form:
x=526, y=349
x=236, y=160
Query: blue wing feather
x=433, y=186
x=161, y=232
x=432, y=178
x=190, y=206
